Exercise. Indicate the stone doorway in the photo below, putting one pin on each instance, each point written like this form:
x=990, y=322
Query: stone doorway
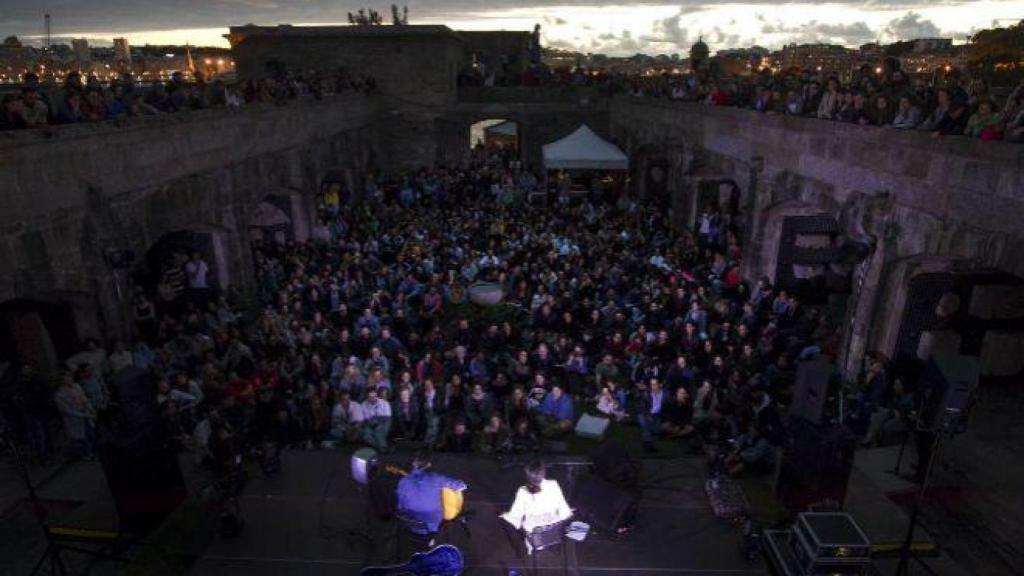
x=37, y=333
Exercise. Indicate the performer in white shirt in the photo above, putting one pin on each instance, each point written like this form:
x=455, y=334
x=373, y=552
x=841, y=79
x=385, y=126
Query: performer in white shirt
x=539, y=503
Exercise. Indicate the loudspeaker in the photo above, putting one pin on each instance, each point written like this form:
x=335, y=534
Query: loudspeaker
x=144, y=477
x=948, y=381
x=604, y=505
x=592, y=427
x=134, y=394
x=138, y=458
x=810, y=392
x=816, y=465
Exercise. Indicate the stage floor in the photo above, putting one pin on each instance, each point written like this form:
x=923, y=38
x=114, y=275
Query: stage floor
x=298, y=521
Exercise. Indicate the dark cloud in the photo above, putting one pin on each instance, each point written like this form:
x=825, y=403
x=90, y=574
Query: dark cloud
x=911, y=26
x=622, y=43
x=814, y=31
x=669, y=31
x=25, y=16
x=670, y=34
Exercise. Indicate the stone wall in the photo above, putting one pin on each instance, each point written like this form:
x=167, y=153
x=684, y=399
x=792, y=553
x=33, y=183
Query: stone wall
x=415, y=69
x=918, y=200
x=72, y=194
x=505, y=53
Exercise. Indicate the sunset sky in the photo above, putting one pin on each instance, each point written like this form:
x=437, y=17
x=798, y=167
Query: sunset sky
x=618, y=28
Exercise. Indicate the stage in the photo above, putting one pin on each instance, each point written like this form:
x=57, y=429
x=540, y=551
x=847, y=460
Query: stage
x=298, y=522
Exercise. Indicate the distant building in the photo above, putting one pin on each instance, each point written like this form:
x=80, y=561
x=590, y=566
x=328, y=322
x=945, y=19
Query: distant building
x=924, y=45
x=14, y=59
x=80, y=46
x=122, y=52
x=739, y=61
x=823, y=58
x=929, y=62
x=699, y=55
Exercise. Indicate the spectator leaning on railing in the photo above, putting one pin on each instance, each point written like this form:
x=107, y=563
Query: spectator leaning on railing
x=73, y=102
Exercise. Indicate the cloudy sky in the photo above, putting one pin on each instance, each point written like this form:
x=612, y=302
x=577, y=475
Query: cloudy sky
x=620, y=28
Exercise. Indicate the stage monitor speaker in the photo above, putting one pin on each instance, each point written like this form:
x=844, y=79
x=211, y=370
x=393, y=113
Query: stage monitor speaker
x=815, y=465
x=949, y=381
x=592, y=427
x=810, y=393
x=604, y=505
x=134, y=394
x=144, y=477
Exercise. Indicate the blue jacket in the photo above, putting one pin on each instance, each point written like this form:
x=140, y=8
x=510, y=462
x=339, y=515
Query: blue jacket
x=419, y=496
x=560, y=409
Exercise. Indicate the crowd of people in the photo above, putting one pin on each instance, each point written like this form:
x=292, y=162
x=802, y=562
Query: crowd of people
x=366, y=334
x=954, y=105
x=40, y=104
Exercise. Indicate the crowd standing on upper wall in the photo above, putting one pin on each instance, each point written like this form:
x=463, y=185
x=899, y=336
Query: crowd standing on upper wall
x=40, y=104
x=957, y=105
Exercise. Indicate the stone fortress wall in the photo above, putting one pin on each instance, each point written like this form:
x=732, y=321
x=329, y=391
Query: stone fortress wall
x=916, y=203
x=74, y=194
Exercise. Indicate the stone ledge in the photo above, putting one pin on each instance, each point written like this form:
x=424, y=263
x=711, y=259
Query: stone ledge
x=1007, y=153
x=65, y=132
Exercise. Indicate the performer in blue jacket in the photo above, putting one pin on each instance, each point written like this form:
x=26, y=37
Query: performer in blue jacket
x=419, y=493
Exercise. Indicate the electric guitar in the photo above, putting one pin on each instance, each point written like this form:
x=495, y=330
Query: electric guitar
x=443, y=560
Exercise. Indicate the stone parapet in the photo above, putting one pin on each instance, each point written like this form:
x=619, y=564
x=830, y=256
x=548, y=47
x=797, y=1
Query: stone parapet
x=527, y=94
x=46, y=171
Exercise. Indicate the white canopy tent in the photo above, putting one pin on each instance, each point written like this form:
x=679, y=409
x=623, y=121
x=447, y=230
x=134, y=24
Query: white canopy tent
x=584, y=150
x=504, y=129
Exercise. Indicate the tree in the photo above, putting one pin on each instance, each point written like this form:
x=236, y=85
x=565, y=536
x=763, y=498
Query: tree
x=399, y=18
x=998, y=45
x=995, y=54
x=364, y=17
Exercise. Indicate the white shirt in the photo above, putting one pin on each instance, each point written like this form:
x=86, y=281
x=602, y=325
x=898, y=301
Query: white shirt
x=352, y=415
x=532, y=510
x=378, y=409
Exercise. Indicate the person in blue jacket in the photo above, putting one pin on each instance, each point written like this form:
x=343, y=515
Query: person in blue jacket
x=419, y=493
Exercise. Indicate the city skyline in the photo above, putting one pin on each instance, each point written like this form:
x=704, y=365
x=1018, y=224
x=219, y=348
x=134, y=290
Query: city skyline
x=595, y=26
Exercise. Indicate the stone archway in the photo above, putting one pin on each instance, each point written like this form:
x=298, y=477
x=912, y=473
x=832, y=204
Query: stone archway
x=455, y=133
x=981, y=308
x=767, y=246
x=496, y=135
x=281, y=217
x=42, y=331
x=166, y=258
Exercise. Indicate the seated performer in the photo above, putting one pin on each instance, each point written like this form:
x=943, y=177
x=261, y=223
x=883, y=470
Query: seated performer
x=539, y=503
x=419, y=493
